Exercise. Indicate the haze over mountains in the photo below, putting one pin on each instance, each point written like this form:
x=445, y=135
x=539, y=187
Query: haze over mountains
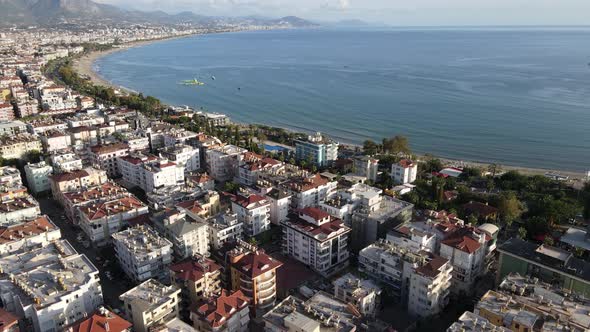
x=27, y=12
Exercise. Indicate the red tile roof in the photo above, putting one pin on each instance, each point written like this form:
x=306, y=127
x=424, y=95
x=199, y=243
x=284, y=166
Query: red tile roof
x=30, y=228
x=192, y=206
x=464, y=239
x=218, y=310
x=315, y=213
x=98, y=323
x=246, y=201
x=305, y=184
x=97, y=211
x=69, y=176
x=193, y=269
x=432, y=268
x=7, y=320
x=256, y=263
x=102, y=149
x=406, y=163
x=327, y=228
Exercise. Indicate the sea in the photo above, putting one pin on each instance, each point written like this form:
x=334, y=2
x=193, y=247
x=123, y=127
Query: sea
x=513, y=96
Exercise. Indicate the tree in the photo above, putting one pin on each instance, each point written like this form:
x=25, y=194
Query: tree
x=473, y=219
x=586, y=196
x=549, y=240
x=369, y=147
x=522, y=233
x=397, y=145
x=509, y=207
x=494, y=169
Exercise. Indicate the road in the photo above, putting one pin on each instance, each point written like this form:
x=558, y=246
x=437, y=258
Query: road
x=104, y=259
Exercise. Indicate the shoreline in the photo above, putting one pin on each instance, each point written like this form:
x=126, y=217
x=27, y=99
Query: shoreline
x=85, y=66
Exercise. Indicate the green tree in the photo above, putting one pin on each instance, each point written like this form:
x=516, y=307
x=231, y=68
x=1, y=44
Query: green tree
x=522, y=233
x=369, y=147
x=397, y=145
x=494, y=169
x=509, y=207
x=549, y=240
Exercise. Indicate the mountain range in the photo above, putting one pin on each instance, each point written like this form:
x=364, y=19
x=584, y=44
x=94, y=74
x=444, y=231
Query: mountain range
x=47, y=12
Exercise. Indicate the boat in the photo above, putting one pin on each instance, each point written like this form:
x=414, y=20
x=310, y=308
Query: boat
x=194, y=81
x=213, y=77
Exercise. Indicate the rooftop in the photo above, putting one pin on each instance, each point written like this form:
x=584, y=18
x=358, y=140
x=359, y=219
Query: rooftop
x=194, y=268
x=100, y=210
x=218, y=310
x=141, y=239
x=256, y=263
x=26, y=229
x=102, y=320
x=149, y=295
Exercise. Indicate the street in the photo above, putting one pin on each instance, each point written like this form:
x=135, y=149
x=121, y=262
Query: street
x=113, y=280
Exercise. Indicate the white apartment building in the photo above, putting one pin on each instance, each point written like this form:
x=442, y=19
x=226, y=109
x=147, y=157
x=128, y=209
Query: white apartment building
x=99, y=220
x=136, y=141
x=317, y=239
x=223, y=162
x=346, y=201
x=364, y=294
x=188, y=237
x=51, y=287
x=223, y=228
x=27, y=235
x=430, y=285
x=227, y=312
x=66, y=162
x=55, y=140
x=10, y=177
x=105, y=157
x=18, y=209
x=280, y=202
x=150, y=173
x=38, y=177
x=150, y=303
x=396, y=266
x=252, y=165
x=176, y=136
x=310, y=190
x=184, y=156
x=253, y=212
x=320, y=150
x=366, y=166
x=404, y=171
x=142, y=253
x=45, y=124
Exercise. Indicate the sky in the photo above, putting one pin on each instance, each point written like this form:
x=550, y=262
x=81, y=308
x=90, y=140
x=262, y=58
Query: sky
x=391, y=12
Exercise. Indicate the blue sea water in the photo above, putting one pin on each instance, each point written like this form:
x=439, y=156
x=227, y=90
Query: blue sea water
x=512, y=96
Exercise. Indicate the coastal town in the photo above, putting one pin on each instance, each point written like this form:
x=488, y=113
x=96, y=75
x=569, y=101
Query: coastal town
x=120, y=213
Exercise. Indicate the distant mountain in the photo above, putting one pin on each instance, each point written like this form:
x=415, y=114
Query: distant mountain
x=25, y=12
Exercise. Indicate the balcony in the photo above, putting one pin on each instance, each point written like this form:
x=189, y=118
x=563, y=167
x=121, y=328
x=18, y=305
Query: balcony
x=264, y=294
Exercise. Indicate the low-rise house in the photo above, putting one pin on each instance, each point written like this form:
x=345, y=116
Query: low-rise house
x=223, y=313
x=142, y=253
x=482, y=211
x=317, y=239
x=38, y=177
x=202, y=180
x=99, y=220
x=150, y=304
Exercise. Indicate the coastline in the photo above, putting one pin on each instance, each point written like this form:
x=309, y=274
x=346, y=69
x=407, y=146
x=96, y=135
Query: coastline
x=84, y=66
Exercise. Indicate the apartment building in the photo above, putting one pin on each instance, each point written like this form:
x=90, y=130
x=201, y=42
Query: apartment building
x=253, y=212
x=254, y=273
x=38, y=177
x=198, y=278
x=93, y=195
x=142, y=253
x=76, y=180
x=66, y=162
x=223, y=162
x=99, y=220
x=184, y=156
x=29, y=234
x=17, y=146
x=318, y=149
x=105, y=157
x=203, y=207
x=18, y=209
x=102, y=320
x=55, y=140
x=366, y=166
x=363, y=294
x=407, y=272
x=149, y=304
x=252, y=165
x=188, y=237
x=222, y=228
x=309, y=190
x=405, y=171
x=42, y=125
x=316, y=239
x=51, y=287
x=10, y=177
x=227, y=312
x=12, y=128
x=150, y=173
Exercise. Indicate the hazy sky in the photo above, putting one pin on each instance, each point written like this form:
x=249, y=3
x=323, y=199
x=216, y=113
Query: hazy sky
x=395, y=12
